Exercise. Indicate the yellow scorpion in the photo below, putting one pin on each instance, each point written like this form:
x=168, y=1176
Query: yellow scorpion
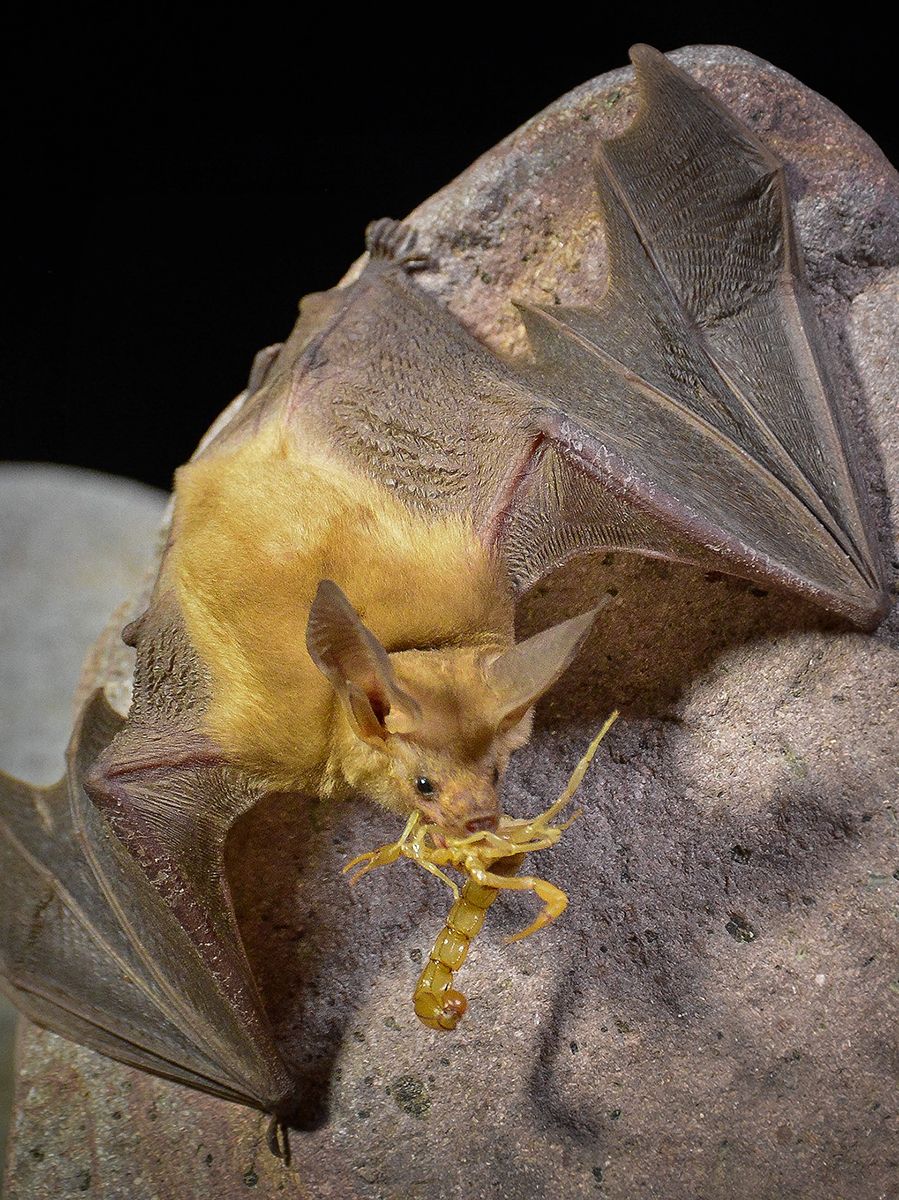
x=490, y=860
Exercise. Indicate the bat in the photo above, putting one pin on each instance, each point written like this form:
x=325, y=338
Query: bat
x=334, y=608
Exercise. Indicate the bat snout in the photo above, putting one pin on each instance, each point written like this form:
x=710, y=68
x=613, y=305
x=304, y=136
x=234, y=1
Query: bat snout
x=469, y=808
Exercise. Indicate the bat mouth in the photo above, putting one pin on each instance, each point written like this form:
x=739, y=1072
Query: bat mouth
x=481, y=824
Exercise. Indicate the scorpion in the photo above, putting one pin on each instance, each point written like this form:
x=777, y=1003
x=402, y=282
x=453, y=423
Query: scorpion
x=490, y=861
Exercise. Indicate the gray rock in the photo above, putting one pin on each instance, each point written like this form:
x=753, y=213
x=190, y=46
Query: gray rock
x=713, y=1015
x=74, y=545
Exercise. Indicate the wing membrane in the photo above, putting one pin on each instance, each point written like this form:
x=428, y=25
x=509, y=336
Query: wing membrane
x=73, y=961
x=697, y=389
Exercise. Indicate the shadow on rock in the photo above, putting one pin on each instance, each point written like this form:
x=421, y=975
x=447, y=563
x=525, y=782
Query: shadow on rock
x=300, y=926
x=675, y=901
x=668, y=625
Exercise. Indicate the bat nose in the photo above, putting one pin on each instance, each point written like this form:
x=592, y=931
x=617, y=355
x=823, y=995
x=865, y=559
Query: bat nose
x=479, y=824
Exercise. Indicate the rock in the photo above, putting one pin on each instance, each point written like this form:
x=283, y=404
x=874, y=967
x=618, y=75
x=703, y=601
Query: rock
x=711, y=1016
x=74, y=546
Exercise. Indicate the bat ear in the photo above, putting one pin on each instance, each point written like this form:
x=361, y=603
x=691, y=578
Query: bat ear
x=351, y=657
x=524, y=673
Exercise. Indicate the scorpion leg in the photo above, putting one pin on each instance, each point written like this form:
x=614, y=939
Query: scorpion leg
x=384, y=855
x=530, y=841
x=554, y=899
x=484, y=837
x=418, y=852
x=542, y=821
x=436, y=872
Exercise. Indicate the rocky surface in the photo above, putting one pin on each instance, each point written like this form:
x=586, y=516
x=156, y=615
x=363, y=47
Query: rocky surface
x=714, y=1016
x=74, y=546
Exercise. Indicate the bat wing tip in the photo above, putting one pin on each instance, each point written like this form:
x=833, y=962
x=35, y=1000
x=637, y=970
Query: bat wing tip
x=875, y=611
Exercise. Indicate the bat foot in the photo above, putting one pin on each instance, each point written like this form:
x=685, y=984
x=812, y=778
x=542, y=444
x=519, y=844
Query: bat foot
x=278, y=1139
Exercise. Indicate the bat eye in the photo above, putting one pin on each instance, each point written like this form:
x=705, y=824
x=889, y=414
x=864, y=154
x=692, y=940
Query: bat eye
x=424, y=786
x=495, y=776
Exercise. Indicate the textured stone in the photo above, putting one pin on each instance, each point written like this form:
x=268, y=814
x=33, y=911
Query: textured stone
x=714, y=1014
x=73, y=546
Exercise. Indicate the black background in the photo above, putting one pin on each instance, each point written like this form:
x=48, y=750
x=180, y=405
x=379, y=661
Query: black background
x=178, y=180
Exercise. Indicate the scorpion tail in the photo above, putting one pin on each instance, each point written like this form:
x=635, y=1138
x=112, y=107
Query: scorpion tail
x=437, y=1003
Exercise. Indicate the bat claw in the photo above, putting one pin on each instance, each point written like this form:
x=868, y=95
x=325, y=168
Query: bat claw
x=278, y=1139
x=395, y=242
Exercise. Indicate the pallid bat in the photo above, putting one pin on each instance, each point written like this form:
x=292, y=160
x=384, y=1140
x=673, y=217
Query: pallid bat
x=334, y=608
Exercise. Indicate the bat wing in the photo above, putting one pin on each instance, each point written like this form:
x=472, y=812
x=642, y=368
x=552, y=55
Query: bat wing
x=689, y=415
x=94, y=942
x=697, y=392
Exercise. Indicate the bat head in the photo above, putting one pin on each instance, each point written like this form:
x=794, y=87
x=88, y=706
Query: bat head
x=433, y=730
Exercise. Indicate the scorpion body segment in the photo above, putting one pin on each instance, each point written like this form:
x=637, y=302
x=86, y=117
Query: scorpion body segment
x=437, y=1003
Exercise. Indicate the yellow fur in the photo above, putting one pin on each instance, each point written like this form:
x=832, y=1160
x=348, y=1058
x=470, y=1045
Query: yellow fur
x=256, y=529
x=457, y=743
